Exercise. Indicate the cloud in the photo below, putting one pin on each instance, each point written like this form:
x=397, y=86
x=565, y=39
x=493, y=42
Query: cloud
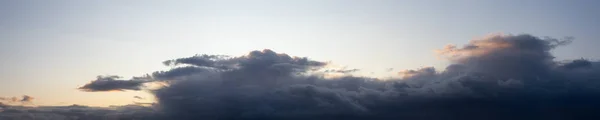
x=2, y=105
x=78, y=112
x=111, y=83
x=209, y=61
x=341, y=70
x=258, y=63
x=577, y=64
x=177, y=72
x=25, y=99
x=9, y=99
x=506, y=55
x=427, y=71
x=496, y=77
x=138, y=97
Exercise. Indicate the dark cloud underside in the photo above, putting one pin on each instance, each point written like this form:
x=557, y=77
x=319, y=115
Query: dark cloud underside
x=497, y=77
x=111, y=83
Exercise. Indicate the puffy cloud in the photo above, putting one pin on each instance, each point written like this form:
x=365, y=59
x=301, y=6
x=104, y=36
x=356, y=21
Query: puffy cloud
x=496, y=77
x=264, y=84
x=506, y=55
x=265, y=63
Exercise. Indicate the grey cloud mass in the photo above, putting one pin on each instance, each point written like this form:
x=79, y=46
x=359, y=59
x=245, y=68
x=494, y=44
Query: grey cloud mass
x=111, y=83
x=497, y=77
x=177, y=72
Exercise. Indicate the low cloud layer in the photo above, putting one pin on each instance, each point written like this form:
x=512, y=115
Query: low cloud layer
x=78, y=112
x=111, y=83
x=25, y=99
x=496, y=77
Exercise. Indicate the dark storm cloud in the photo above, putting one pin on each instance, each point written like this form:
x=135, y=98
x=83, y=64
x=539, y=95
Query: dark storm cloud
x=111, y=83
x=497, y=77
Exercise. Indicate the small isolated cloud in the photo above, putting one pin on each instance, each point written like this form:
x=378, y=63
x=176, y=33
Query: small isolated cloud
x=138, y=97
x=27, y=98
x=111, y=83
x=341, y=70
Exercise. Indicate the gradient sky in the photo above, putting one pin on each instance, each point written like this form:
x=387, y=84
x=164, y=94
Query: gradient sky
x=49, y=48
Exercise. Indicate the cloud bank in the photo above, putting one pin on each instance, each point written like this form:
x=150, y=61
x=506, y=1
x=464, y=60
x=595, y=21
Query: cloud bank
x=496, y=77
x=78, y=112
x=25, y=99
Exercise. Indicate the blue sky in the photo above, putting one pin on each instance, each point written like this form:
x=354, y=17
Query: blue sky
x=49, y=48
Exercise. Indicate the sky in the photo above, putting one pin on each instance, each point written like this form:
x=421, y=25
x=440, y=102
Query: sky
x=50, y=48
